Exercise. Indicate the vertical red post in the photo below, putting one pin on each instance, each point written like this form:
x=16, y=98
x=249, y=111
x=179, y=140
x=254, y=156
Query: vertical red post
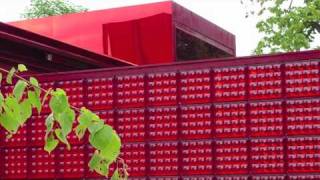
x=213, y=129
x=179, y=125
x=284, y=119
x=146, y=125
x=29, y=153
x=248, y=123
x=85, y=140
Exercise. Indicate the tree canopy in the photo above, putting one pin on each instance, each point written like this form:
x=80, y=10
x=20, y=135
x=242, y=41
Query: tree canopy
x=286, y=25
x=44, y=8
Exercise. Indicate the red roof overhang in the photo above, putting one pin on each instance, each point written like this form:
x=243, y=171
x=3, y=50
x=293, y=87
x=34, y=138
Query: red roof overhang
x=52, y=46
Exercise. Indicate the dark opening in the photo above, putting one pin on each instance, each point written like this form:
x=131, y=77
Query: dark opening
x=192, y=48
x=13, y=53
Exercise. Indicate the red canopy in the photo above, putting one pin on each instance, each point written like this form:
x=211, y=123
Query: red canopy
x=143, y=34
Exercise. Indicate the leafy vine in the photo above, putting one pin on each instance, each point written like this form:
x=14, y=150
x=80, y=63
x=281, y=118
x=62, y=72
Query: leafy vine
x=17, y=107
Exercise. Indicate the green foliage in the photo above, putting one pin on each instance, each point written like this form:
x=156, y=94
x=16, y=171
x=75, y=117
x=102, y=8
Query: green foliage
x=1, y=101
x=102, y=137
x=59, y=101
x=19, y=89
x=287, y=25
x=44, y=8
x=35, y=100
x=22, y=68
x=51, y=143
x=35, y=84
x=10, y=74
x=49, y=124
x=109, y=147
x=26, y=113
x=16, y=109
x=8, y=120
x=115, y=175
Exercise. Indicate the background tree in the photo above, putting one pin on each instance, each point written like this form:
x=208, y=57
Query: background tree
x=44, y=8
x=287, y=25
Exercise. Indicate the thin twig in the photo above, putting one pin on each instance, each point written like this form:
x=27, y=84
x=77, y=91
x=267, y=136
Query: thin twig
x=290, y=6
x=28, y=82
x=23, y=79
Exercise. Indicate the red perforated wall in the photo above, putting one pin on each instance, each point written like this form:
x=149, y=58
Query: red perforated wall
x=233, y=119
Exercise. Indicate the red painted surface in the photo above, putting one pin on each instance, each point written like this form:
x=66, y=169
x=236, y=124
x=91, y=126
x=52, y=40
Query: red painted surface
x=85, y=29
x=241, y=118
x=135, y=40
x=21, y=46
x=143, y=34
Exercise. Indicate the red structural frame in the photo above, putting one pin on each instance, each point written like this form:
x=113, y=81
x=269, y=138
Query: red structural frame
x=141, y=34
x=176, y=123
x=62, y=54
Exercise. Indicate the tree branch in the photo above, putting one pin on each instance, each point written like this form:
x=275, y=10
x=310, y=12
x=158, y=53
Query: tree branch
x=316, y=26
x=290, y=6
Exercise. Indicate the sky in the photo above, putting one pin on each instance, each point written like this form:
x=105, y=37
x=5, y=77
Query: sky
x=228, y=14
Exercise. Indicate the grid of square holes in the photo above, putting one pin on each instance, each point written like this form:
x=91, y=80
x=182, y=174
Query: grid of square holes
x=225, y=121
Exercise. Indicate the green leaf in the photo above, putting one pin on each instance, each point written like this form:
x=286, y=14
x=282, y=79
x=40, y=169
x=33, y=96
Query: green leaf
x=80, y=131
x=86, y=117
x=107, y=141
x=12, y=105
x=49, y=124
x=50, y=143
x=22, y=68
x=94, y=161
x=59, y=101
x=99, y=164
x=65, y=119
x=101, y=139
x=104, y=169
x=62, y=138
x=1, y=101
x=0, y=78
x=35, y=100
x=112, y=151
x=10, y=75
x=115, y=175
x=19, y=89
x=35, y=85
x=8, y=120
x=26, y=110
x=96, y=126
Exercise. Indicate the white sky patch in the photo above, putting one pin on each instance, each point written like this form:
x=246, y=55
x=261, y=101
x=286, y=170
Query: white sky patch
x=228, y=14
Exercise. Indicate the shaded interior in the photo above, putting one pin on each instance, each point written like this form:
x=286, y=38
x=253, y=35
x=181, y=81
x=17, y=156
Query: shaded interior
x=37, y=60
x=191, y=48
